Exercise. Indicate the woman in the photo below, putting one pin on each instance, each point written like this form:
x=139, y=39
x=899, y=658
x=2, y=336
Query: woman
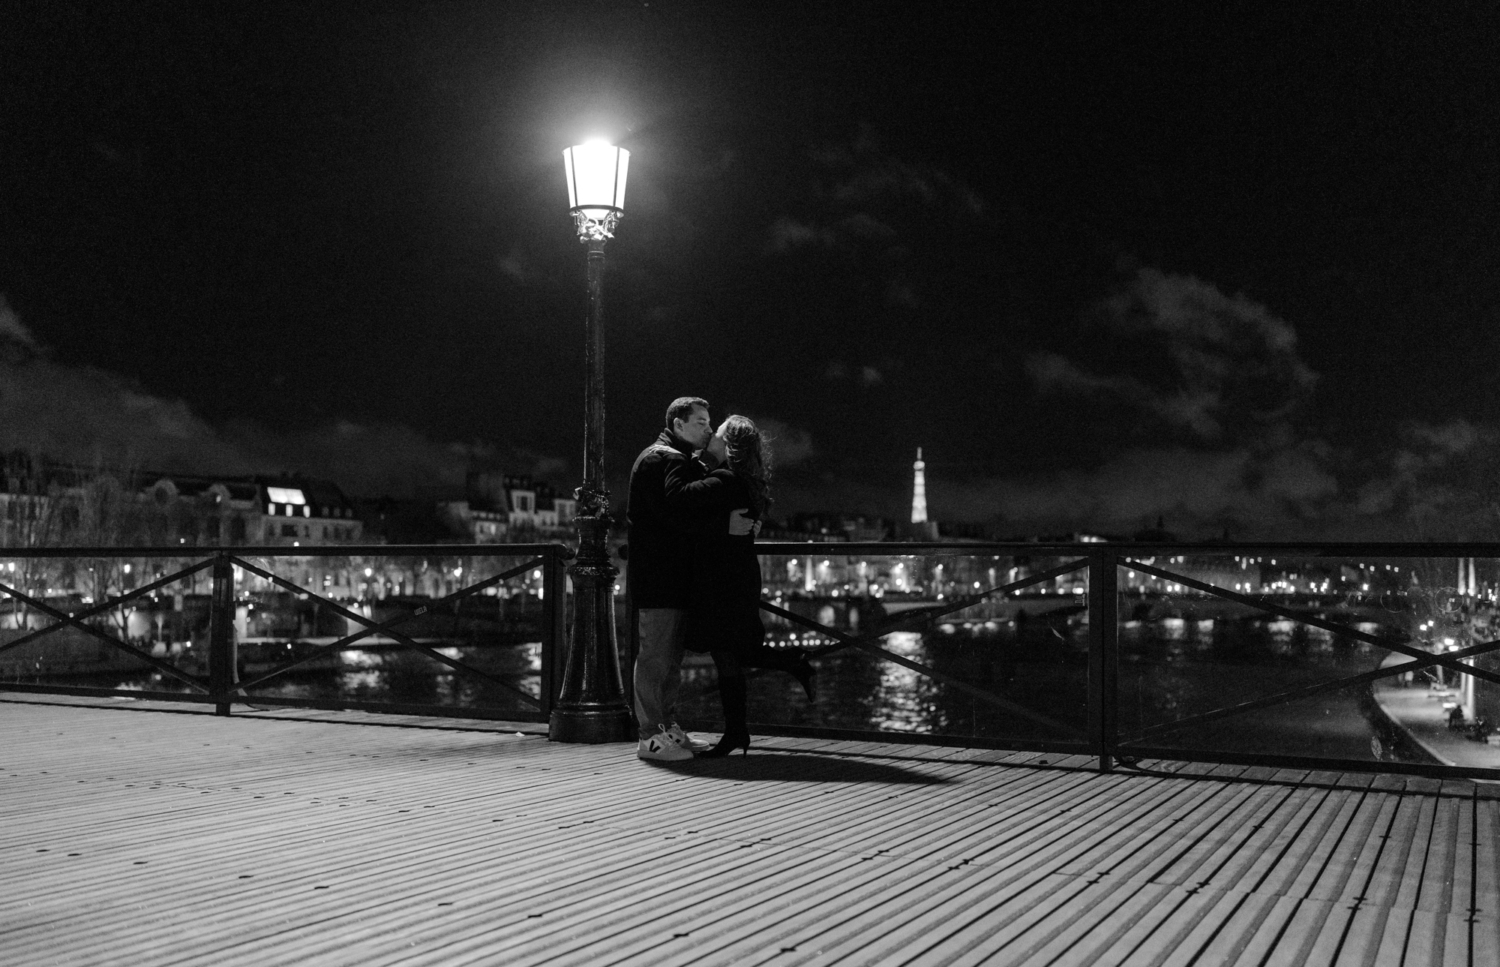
x=724, y=619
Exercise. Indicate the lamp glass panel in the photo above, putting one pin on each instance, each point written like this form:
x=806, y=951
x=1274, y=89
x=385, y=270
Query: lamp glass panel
x=596, y=177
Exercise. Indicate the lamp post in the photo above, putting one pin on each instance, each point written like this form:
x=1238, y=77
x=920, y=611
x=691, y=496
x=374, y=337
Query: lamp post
x=591, y=706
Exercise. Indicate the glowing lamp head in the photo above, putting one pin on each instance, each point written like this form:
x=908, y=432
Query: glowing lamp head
x=596, y=178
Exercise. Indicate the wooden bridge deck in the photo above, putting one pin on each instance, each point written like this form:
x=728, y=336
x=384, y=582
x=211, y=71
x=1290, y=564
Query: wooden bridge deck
x=138, y=837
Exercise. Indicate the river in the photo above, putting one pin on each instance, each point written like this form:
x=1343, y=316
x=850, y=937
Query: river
x=1170, y=669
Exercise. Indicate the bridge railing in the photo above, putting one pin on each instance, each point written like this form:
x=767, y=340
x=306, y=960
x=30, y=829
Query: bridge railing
x=1336, y=656
x=470, y=630
x=1317, y=656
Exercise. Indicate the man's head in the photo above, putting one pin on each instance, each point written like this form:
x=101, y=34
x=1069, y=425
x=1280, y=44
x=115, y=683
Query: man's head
x=688, y=420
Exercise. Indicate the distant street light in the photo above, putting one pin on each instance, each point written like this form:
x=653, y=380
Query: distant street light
x=591, y=706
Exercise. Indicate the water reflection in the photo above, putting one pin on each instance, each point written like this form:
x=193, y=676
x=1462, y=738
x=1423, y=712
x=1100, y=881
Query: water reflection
x=904, y=700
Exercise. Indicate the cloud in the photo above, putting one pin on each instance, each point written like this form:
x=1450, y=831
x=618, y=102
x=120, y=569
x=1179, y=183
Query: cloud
x=857, y=200
x=788, y=233
x=1441, y=481
x=1208, y=364
x=838, y=370
x=1217, y=386
x=90, y=416
x=1055, y=373
x=879, y=213
x=881, y=179
x=12, y=331
x=1197, y=493
x=366, y=459
x=1456, y=437
x=864, y=227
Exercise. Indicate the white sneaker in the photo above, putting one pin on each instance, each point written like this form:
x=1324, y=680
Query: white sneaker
x=661, y=747
x=686, y=741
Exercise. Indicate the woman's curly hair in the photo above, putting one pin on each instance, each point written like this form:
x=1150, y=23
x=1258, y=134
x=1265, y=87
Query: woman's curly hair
x=749, y=456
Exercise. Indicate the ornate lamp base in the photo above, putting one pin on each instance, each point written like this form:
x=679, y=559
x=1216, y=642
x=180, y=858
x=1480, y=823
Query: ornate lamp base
x=592, y=706
x=592, y=725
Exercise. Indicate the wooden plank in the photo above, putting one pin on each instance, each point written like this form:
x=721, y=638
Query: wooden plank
x=1350, y=846
x=1261, y=943
x=1196, y=768
x=1354, y=780
x=1458, y=788
x=1222, y=861
x=1394, y=937
x=1193, y=839
x=1426, y=942
x=1366, y=852
x=1462, y=884
x=1086, y=928
x=1456, y=951
x=1228, y=771
x=1486, y=856
x=886, y=923
x=1227, y=920
x=1305, y=933
x=1281, y=836
x=1441, y=858
x=1053, y=837
x=1486, y=943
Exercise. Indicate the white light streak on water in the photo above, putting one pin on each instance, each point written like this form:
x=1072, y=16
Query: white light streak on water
x=903, y=699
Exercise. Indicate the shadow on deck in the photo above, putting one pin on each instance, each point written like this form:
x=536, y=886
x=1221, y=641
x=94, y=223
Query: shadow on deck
x=137, y=835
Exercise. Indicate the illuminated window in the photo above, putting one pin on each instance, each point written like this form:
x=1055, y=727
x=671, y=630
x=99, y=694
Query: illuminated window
x=285, y=495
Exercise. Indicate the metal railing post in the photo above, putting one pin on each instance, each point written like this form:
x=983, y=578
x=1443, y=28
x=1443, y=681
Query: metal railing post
x=1104, y=655
x=554, y=625
x=222, y=674
x=632, y=641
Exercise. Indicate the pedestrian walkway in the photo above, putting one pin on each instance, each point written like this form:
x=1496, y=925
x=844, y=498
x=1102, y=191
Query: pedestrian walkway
x=136, y=837
x=1421, y=711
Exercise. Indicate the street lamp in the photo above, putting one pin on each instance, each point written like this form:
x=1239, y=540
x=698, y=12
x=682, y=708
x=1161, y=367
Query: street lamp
x=591, y=706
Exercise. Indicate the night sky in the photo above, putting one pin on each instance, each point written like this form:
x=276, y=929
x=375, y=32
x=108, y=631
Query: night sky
x=1230, y=267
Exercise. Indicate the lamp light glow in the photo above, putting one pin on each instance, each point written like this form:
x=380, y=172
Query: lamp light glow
x=596, y=185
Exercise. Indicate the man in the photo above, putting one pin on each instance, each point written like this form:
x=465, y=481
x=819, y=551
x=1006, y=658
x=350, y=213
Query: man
x=665, y=528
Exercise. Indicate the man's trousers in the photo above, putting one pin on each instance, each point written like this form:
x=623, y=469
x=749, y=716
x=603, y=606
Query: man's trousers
x=658, y=668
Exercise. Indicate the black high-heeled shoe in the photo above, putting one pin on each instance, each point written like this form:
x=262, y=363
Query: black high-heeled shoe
x=733, y=739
